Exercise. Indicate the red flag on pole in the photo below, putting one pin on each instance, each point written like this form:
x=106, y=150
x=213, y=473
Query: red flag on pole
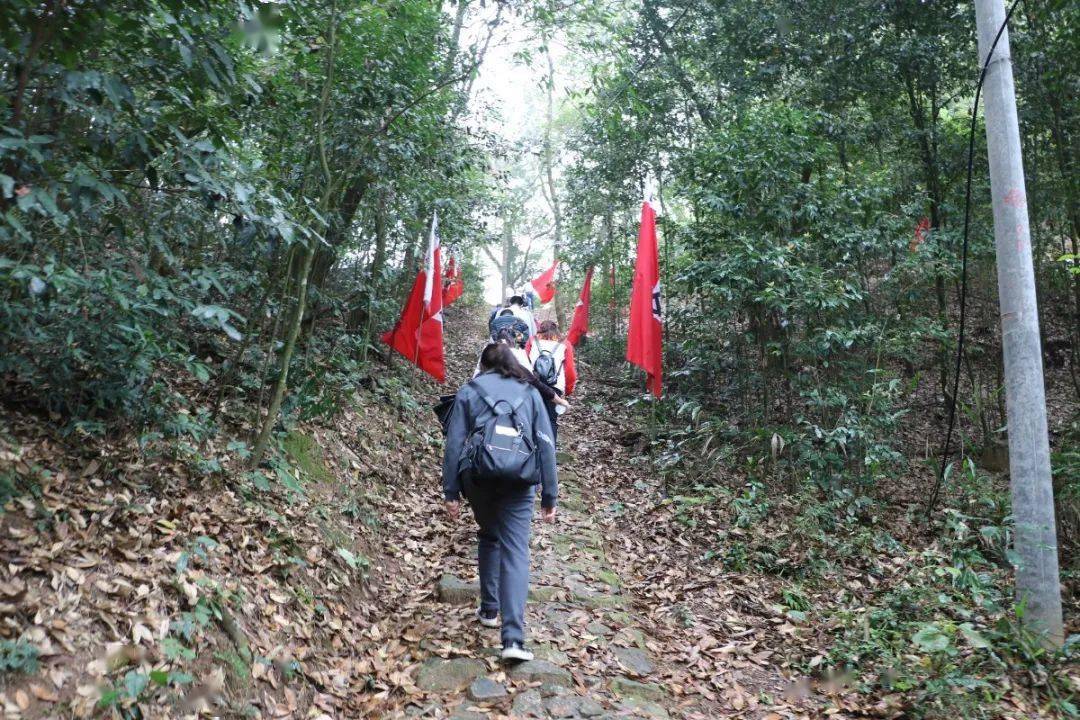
x=456, y=285
x=580, y=325
x=643, y=342
x=418, y=335
x=544, y=284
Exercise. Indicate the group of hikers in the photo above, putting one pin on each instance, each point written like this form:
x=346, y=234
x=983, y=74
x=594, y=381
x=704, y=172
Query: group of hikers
x=501, y=431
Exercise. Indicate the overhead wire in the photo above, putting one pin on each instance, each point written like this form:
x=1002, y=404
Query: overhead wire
x=946, y=449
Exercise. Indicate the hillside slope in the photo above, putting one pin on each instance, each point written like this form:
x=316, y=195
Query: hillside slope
x=151, y=581
x=145, y=584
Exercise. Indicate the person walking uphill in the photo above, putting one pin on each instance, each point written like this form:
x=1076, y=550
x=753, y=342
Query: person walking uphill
x=552, y=361
x=499, y=447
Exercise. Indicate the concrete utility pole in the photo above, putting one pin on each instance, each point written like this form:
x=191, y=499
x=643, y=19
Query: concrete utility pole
x=1037, y=581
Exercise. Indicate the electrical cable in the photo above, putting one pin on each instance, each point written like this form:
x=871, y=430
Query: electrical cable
x=964, y=266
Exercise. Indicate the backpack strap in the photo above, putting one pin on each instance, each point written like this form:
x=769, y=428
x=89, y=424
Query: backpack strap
x=493, y=403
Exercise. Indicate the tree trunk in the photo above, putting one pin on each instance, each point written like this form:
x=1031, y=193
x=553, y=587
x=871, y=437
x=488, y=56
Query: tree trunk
x=553, y=194
x=507, y=254
x=308, y=253
x=362, y=314
x=609, y=233
x=286, y=358
x=326, y=256
x=927, y=145
x=1038, y=581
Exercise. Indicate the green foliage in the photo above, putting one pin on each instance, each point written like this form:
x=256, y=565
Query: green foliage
x=1065, y=466
x=18, y=656
x=163, y=168
x=809, y=329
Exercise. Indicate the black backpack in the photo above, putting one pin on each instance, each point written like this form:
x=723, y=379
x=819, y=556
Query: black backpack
x=443, y=409
x=509, y=327
x=545, y=369
x=498, y=451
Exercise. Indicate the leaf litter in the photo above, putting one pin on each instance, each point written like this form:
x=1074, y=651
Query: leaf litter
x=142, y=583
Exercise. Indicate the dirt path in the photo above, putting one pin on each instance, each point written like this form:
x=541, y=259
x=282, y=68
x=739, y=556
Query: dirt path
x=593, y=656
x=621, y=623
x=719, y=642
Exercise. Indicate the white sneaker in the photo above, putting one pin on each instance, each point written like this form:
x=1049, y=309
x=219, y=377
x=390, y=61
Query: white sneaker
x=491, y=622
x=516, y=651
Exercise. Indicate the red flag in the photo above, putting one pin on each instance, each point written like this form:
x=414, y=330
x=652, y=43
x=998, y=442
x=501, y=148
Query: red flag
x=643, y=342
x=418, y=335
x=456, y=285
x=544, y=284
x=580, y=324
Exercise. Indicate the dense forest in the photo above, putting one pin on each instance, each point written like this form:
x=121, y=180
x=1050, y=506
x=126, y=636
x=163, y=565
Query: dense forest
x=210, y=211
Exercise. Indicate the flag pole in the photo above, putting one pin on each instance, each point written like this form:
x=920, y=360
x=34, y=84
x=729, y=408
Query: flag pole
x=419, y=329
x=667, y=244
x=428, y=280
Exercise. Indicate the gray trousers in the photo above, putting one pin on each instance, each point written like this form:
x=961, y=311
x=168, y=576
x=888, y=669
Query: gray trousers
x=505, y=520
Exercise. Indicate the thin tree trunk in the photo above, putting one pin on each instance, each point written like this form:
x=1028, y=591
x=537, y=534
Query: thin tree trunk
x=286, y=358
x=378, y=264
x=927, y=150
x=610, y=234
x=507, y=254
x=326, y=256
x=308, y=257
x=553, y=193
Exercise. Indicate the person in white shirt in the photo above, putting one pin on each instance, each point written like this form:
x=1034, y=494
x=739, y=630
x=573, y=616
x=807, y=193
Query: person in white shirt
x=519, y=343
x=520, y=307
x=556, y=370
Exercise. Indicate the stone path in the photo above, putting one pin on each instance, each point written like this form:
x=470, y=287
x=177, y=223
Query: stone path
x=592, y=657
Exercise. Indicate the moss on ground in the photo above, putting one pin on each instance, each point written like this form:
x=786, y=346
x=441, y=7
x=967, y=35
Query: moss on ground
x=307, y=455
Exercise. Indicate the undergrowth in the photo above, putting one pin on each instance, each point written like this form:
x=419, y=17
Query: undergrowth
x=925, y=617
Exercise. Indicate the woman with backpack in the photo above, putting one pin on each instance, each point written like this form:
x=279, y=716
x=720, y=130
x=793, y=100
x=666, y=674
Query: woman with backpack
x=552, y=360
x=499, y=447
x=514, y=334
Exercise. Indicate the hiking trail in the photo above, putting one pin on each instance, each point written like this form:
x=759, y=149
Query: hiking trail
x=606, y=645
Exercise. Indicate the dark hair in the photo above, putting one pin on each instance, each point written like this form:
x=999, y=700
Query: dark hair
x=517, y=300
x=497, y=357
x=548, y=327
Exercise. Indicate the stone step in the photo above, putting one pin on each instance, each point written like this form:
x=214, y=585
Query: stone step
x=648, y=708
x=448, y=675
x=542, y=671
x=627, y=688
x=573, y=706
x=483, y=689
x=468, y=715
x=545, y=593
x=529, y=704
x=454, y=590
x=634, y=661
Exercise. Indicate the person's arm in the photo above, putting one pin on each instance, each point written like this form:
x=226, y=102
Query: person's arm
x=544, y=439
x=569, y=368
x=546, y=391
x=456, y=431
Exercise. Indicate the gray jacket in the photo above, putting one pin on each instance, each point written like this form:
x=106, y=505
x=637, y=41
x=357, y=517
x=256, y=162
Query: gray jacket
x=470, y=410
